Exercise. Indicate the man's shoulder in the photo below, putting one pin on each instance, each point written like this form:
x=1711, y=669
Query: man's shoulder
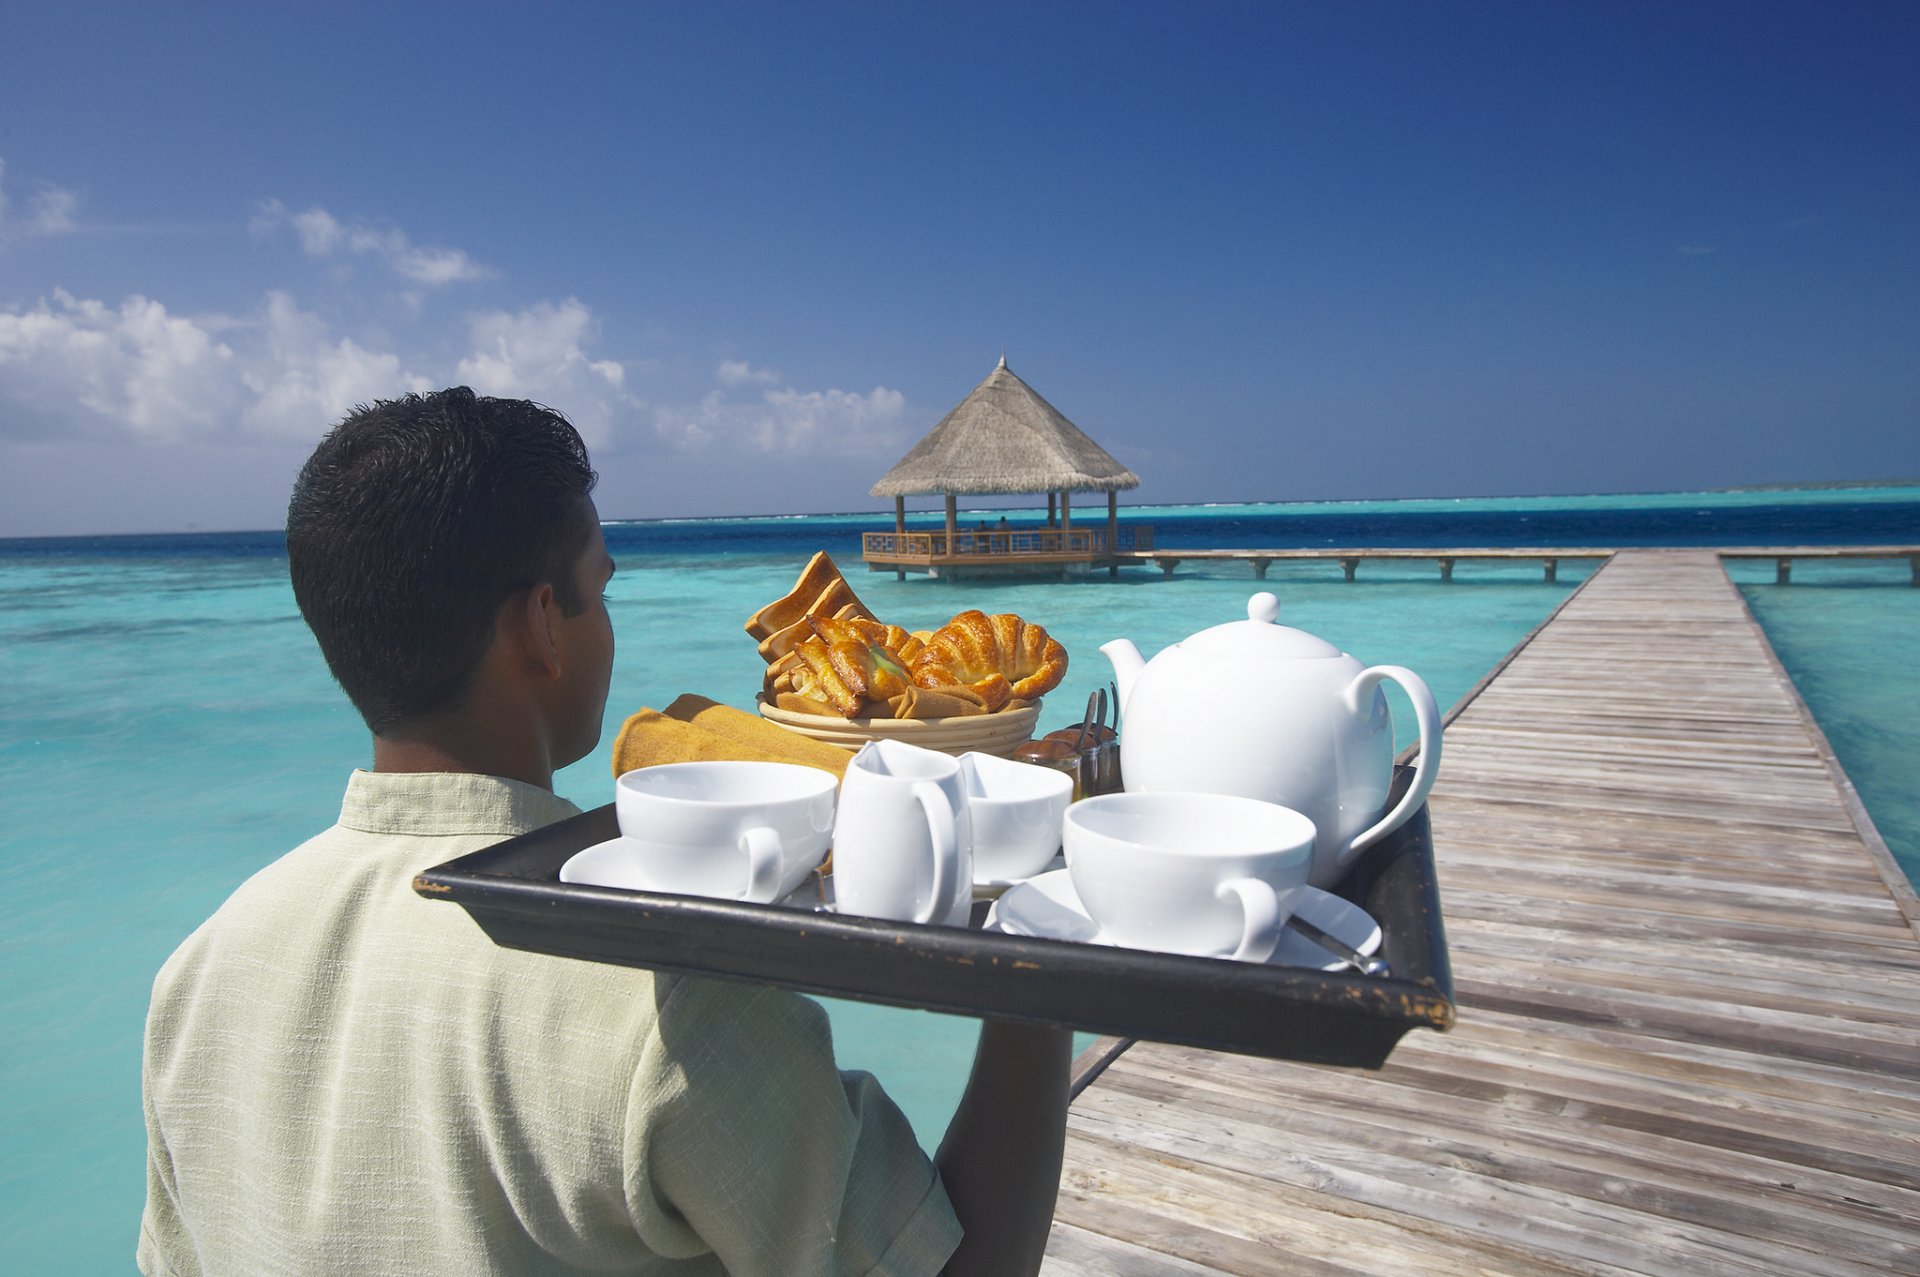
x=278, y=882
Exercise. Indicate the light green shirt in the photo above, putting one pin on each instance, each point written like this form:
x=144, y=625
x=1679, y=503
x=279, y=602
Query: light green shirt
x=343, y=1077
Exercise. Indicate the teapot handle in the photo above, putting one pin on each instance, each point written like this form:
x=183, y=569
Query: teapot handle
x=1427, y=713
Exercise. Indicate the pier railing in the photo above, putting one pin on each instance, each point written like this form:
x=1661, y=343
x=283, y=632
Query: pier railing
x=1006, y=544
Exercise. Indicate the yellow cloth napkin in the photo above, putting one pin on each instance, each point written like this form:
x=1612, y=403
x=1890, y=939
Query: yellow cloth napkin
x=695, y=728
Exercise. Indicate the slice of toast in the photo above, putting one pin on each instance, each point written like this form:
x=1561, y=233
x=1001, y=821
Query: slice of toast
x=836, y=600
x=819, y=573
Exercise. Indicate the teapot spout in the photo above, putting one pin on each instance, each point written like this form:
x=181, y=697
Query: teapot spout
x=1127, y=664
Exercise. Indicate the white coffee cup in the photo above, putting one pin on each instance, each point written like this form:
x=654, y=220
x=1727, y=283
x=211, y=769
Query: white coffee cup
x=902, y=840
x=1016, y=810
x=734, y=830
x=1211, y=874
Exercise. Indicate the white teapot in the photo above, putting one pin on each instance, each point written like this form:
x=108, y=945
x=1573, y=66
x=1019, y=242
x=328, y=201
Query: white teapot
x=1267, y=711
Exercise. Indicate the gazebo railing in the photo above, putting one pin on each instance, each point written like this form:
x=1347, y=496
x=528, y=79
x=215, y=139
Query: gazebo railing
x=1007, y=543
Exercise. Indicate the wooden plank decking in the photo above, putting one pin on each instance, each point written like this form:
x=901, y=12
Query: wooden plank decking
x=1689, y=1033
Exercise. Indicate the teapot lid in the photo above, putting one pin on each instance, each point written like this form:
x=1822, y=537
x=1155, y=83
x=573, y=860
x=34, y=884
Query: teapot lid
x=1260, y=636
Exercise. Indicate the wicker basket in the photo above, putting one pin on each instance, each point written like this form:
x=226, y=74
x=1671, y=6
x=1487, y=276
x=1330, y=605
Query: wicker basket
x=1000, y=733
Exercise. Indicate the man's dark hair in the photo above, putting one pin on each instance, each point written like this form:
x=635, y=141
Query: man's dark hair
x=413, y=521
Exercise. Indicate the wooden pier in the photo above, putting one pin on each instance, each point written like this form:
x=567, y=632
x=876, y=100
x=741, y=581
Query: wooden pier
x=1169, y=558
x=1688, y=979
x=1350, y=560
x=1783, y=556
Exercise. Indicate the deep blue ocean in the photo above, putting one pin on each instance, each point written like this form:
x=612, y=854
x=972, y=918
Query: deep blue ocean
x=167, y=727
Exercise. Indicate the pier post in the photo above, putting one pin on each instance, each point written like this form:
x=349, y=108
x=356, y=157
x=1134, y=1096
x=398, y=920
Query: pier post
x=1782, y=570
x=1260, y=567
x=1553, y=570
x=1167, y=565
x=1349, y=566
x=1914, y=559
x=1446, y=571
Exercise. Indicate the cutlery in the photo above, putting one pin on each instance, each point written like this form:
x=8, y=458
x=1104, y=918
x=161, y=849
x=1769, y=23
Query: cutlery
x=1096, y=749
x=1339, y=948
x=1086, y=724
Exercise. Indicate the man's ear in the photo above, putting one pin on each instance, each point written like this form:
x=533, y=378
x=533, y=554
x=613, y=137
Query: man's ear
x=537, y=627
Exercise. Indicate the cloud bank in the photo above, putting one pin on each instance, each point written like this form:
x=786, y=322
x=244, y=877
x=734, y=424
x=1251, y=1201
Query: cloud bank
x=540, y=353
x=782, y=420
x=75, y=367
x=132, y=388
x=84, y=368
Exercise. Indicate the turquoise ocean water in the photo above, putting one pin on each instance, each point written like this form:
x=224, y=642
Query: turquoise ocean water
x=167, y=727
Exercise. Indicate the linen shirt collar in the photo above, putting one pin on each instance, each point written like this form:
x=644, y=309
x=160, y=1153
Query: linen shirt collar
x=447, y=803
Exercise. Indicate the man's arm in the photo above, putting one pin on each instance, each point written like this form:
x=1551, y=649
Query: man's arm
x=1000, y=1160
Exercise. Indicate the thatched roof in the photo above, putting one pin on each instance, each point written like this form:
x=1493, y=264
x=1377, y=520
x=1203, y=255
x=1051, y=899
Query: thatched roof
x=1005, y=438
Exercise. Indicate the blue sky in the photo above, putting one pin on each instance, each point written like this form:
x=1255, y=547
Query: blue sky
x=1259, y=251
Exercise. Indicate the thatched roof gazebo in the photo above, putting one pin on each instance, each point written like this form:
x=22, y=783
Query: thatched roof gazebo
x=1003, y=438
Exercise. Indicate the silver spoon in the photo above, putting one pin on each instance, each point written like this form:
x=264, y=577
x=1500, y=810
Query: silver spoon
x=1339, y=948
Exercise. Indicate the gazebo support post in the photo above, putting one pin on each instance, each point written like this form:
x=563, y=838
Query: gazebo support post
x=1113, y=531
x=949, y=523
x=1050, y=512
x=899, y=530
x=1066, y=520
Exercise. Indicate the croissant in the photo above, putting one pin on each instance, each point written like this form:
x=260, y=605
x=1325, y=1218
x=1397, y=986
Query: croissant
x=858, y=652
x=820, y=677
x=985, y=653
x=893, y=640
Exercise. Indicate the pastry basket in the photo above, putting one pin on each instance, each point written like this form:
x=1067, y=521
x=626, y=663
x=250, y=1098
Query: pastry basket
x=1000, y=733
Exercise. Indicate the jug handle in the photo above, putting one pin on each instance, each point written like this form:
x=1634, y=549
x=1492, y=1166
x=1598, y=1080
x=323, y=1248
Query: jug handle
x=945, y=841
x=1427, y=713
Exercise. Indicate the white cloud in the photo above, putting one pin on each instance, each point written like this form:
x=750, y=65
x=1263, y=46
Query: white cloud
x=301, y=378
x=540, y=353
x=48, y=211
x=78, y=365
x=74, y=367
x=782, y=420
x=738, y=372
x=321, y=234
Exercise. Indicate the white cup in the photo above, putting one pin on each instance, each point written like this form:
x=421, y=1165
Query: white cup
x=733, y=830
x=902, y=841
x=1016, y=810
x=1211, y=874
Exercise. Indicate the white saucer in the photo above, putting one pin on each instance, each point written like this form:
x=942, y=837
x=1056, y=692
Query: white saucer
x=610, y=864
x=1049, y=907
x=989, y=888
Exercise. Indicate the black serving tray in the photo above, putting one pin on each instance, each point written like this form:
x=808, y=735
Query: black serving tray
x=513, y=890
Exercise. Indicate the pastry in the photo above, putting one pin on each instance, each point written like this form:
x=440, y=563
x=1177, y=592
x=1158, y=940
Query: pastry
x=819, y=574
x=817, y=678
x=973, y=650
x=835, y=600
x=827, y=654
x=858, y=653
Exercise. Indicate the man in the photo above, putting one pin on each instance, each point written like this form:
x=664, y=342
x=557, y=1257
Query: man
x=341, y=1077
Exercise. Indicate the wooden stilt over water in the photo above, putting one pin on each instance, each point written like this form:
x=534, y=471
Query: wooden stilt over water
x=1688, y=980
